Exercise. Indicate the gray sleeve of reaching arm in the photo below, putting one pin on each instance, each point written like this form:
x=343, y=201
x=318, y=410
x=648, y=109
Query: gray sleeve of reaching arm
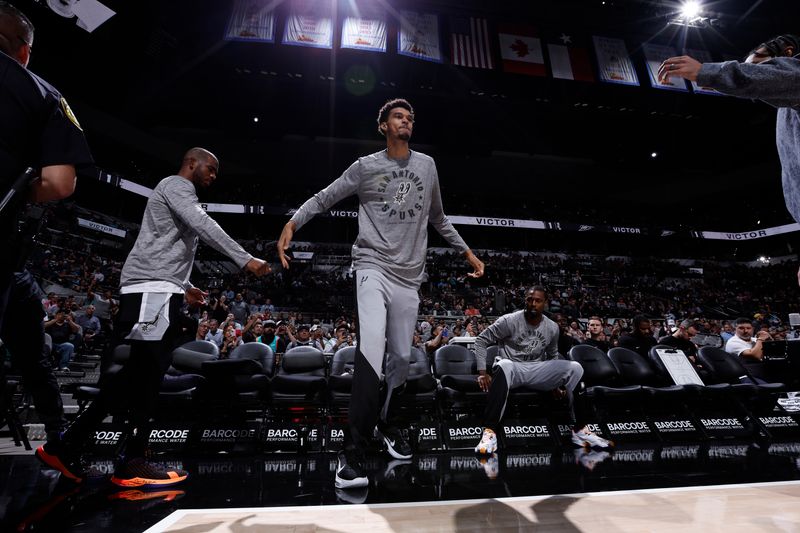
x=776, y=82
x=346, y=185
x=489, y=337
x=440, y=221
x=182, y=200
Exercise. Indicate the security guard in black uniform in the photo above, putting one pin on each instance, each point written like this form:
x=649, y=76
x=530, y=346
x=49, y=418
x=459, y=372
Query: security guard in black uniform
x=40, y=131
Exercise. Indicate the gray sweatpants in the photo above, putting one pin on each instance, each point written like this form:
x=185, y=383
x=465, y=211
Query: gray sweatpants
x=387, y=314
x=537, y=375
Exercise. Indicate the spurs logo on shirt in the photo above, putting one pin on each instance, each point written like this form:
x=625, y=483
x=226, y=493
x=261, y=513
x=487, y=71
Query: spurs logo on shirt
x=532, y=343
x=402, y=195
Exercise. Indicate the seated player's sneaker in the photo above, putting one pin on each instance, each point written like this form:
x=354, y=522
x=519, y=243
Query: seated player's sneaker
x=55, y=455
x=350, y=472
x=587, y=439
x=397, y=445
x=490, y=465
x=488, y=443
x=139, y=473
x=591, y=458
x=396, y=469
x=355, y=495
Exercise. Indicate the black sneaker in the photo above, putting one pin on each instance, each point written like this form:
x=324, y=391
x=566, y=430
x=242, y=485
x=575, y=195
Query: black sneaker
x=139, y=473
x=349, y=470
x=55, y=455
x=396, y=444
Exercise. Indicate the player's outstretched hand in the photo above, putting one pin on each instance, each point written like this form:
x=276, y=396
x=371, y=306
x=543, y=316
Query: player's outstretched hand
x=475, y=263
x=681, y=67
x=259, y=267
x=284, y=242
x=195, y=297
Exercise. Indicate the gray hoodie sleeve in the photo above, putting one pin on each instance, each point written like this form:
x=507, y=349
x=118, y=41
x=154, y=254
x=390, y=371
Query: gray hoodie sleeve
x=346, y=185
x=776, y=82
x=182, y=200
x=440, y=221
x=489, y=337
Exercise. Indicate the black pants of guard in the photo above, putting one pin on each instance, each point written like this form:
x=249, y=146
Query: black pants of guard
x=134, y=389
x=22, y=331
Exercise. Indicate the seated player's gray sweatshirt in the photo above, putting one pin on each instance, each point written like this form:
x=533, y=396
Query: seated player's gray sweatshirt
x=164, y=250
x=397, y=199
x=517, y=340
x=776, y=82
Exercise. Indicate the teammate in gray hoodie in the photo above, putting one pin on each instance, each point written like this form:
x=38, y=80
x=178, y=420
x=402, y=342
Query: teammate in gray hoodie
x=770, y=73
x=398, y=193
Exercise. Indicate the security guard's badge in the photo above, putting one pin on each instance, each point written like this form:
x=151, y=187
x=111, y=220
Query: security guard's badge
x=70, y=115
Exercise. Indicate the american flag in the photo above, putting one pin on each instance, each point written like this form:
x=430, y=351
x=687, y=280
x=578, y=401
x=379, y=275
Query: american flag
x=470, y=43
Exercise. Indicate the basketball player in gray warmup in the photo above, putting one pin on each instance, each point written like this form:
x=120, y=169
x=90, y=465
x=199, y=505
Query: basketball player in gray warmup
x=398, y=193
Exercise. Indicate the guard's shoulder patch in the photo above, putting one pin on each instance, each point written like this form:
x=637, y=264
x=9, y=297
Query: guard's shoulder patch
x=70, y=115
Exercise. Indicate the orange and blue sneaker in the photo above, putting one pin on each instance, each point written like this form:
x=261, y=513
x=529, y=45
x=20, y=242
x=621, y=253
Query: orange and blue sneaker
x=139, y=473
x=57, y=456
x=134, y=495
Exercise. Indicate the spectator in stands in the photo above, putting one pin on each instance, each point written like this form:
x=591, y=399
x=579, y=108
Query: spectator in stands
x=302, y=337
x=342, y=338
x=50, y=304
x=682, y=339
x=214, y=333
x=565, y=340
x=318, y=337
x=439, y=338
x=471, y=329
x=744, y=344
x=61, y=329
x=595, y=335
x=90, y=325
x=230, y=341
x=527, y=356
x=218, y=308
x=641, y=339
x=202, y=331
x=575, y=332
x=239, y=309
x=276, y=343
x=253, y=329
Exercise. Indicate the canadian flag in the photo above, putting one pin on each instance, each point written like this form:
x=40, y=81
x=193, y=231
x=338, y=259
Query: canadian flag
x=568, y=61
x=521, y=50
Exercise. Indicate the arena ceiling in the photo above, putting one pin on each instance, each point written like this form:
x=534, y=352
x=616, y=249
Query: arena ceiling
x=158, y=77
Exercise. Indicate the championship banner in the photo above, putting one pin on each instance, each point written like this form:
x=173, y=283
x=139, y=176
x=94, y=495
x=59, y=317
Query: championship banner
x=469, y=43
x=747, y=235
x=419, y=36
x=252, y=20
x=569, y=58
x=102, y=228
x=654, y=56
x=310, y=23
x=521, y=49
x=703, y=56
x=365, y=33
x=613, y=61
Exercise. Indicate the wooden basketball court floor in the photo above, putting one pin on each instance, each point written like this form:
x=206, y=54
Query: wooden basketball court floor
x=750, y=507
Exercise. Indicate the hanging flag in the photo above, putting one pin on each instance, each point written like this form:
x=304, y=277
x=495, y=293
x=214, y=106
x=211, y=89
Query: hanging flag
x=569, y=59
x=419, y=36
x=613, y=62
x=367, y=32
x=310, y=23
x=654, y=56
x=469, y=43
x=521, y=50
x=703, y=56
x=252, y=20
